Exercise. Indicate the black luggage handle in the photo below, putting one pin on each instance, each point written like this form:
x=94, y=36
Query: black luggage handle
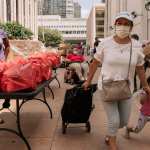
x=93, y=87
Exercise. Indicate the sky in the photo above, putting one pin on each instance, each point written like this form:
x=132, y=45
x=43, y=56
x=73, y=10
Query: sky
x=86, y=6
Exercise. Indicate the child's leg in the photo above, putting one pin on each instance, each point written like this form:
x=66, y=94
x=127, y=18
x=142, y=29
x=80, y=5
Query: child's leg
x=141, y=123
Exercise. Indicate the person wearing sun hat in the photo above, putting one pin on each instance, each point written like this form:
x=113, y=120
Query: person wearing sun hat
x=113, y=54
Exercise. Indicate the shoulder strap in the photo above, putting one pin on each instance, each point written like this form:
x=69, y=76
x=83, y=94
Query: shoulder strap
x=129, y=60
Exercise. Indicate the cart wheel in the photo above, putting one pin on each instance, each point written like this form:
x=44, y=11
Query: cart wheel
x=88, y=126
x=64, y=126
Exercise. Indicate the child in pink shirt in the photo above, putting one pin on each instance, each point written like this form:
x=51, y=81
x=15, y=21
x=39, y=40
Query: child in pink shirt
x=144, y=116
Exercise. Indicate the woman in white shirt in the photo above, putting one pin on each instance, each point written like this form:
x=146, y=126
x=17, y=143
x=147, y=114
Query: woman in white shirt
x=113, y=54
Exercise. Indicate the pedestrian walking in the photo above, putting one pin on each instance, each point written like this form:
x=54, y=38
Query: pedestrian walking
x=144, y=115
x=4, y=45
x=4, y=51
x=95, y=45
x=119, y=56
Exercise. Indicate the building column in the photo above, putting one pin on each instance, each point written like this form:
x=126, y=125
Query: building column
x=13, y=10
x=21, y=12
x=35, y=19
x=1, y=11
x=4, y=11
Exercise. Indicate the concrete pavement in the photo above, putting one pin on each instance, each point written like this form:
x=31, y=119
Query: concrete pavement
x=44, y=133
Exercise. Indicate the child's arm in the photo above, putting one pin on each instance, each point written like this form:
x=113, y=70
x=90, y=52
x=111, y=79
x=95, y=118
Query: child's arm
x=143, y=97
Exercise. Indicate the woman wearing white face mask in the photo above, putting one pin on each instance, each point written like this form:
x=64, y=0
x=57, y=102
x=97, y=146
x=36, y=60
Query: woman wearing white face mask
x=120, y=57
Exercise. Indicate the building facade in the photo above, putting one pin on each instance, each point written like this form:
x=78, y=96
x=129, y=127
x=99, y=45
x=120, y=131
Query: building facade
x=63, y=8
x=21, y=11
x=71, y=28
x=136, y=7
x=95, y=24
x=77, y=10
x=69, y=9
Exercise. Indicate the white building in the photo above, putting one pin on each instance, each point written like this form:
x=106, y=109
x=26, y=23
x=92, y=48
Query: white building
x=71, y=28
x=95, y=24
x=141, y=22
x=21, y=11
x=77, y=10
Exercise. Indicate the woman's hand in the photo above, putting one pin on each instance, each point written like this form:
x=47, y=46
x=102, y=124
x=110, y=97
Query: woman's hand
x=85, y=85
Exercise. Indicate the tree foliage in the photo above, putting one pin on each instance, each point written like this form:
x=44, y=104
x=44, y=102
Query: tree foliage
x=49, y=37
x=16, y=31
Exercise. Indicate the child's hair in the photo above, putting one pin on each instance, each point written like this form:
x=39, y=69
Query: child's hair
x=148, y=80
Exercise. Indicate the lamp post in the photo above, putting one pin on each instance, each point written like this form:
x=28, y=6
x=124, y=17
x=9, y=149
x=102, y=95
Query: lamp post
x=147, y=6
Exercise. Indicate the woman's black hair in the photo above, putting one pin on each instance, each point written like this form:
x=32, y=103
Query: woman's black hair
x=135, y=36
x=131, y=23
x=148, y=80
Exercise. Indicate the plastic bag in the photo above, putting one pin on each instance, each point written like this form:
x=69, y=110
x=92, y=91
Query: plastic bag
x=19, y=77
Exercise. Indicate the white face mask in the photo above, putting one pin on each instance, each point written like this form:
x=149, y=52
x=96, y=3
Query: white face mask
x=122, y=31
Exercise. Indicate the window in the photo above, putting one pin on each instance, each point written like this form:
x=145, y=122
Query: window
x=99, y=14
x=99, y=29
x=100, y=22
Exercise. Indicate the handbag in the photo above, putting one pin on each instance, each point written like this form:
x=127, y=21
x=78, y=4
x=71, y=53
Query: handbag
x=117, y=90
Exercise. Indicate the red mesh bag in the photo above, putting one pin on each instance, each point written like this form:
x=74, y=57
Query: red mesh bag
x=18, y=77
x=54, y=58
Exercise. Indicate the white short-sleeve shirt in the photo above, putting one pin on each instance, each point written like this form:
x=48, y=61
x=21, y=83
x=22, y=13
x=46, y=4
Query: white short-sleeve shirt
x=115, y=60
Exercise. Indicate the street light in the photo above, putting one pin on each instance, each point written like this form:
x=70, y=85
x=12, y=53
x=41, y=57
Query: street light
x=147, y=6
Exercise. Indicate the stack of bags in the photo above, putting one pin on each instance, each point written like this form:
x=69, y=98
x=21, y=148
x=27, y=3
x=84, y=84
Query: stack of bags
x=27, y=73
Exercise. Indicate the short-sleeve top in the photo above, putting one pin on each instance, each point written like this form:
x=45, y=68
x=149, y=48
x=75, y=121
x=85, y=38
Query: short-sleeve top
x=115, y=60
x=2, y=36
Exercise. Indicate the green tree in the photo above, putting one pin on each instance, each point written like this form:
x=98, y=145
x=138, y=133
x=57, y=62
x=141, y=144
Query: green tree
x=49, y=37
x=16, y=31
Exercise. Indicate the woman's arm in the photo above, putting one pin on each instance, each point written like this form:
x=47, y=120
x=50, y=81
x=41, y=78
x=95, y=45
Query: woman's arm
x=92, y=70
x=7, y=47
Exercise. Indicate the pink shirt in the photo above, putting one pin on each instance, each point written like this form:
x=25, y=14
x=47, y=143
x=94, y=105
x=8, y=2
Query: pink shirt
x=145, y=109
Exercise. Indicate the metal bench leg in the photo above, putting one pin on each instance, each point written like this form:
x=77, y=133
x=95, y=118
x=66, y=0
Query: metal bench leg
x=51, y=91
x=57, y=81
x=19, y=126
x=18, y=134
x=45, y=102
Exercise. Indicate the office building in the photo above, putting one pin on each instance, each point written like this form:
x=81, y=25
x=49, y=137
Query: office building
x=95, y=23
x=71, y=28
x=21, y=11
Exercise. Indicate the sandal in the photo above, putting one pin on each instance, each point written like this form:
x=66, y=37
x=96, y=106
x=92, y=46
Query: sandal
x=128, y=130
x=107, y=139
